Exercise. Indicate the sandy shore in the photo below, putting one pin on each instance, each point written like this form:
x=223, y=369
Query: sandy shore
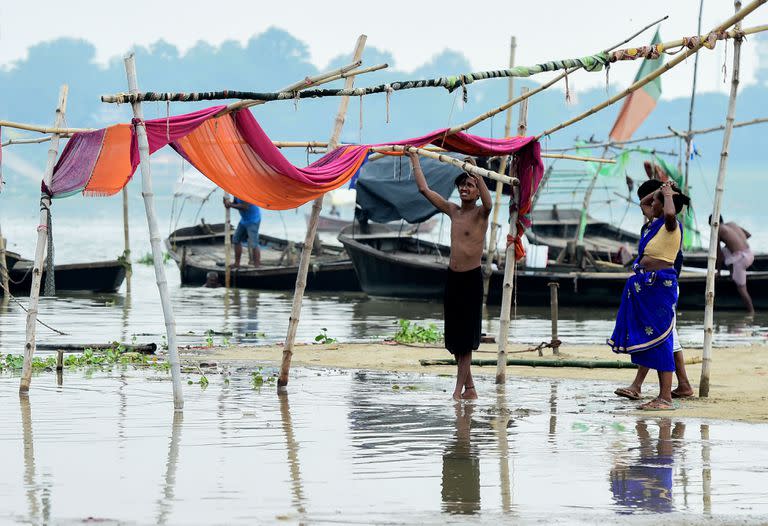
x=738, y=388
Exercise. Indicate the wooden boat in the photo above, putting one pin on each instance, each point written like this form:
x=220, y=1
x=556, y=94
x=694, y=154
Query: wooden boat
x=334, y=224
x=98, y=276
x=403, y=266
x=556, y=227
x=199, y=250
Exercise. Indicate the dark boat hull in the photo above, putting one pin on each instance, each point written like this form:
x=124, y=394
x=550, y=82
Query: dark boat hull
x=188, y=245
x=100, y=276
x=386, y=272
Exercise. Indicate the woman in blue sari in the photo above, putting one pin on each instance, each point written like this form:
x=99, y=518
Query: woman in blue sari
x=645, y=322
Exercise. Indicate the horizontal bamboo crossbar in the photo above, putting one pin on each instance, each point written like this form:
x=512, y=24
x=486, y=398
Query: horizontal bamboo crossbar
x=467, y=167
x=591, y=63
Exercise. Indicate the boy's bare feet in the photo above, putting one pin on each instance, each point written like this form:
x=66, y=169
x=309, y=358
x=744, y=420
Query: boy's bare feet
x=469, y=393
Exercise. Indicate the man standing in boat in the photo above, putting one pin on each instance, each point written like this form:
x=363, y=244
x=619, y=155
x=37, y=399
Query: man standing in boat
x=736, y=254
x=463, y=302
x=247, y=229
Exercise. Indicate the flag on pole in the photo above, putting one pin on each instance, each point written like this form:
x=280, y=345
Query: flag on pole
x=639, y=104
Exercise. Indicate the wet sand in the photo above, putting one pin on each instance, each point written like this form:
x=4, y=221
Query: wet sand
x=738, y=386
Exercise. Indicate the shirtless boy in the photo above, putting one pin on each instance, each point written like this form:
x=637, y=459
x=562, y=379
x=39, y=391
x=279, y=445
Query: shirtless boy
x=463, y=303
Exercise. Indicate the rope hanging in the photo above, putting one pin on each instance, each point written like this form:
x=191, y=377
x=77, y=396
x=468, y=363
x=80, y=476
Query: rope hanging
x=50, y=280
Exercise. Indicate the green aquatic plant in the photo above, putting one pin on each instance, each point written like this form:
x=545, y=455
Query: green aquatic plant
x=411, y=332
x=209, y=338
x=259, y=378
x=149, y=259
x=115, y=355
x=323, y=337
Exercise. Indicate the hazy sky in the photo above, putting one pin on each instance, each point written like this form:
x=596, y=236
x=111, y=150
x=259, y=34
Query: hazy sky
x=412, y=31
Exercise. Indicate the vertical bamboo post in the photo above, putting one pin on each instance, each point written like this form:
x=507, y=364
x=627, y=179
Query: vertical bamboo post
x=495, y=226
x=306, y=250
x=554, y=308
x=509, y=265
x=154, y=235
x=4, y=270
x=127, y=242
x=42, y=238
x=585, y=204
x=228, y=245
x=709, y=298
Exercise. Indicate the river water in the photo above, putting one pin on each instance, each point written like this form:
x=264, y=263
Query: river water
x=363, y=447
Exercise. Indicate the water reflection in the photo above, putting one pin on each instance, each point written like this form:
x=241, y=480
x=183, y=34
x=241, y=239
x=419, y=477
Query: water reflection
x=38, y=494
x=646, y=482
x=461, y=467
x=501, y=423
x=165, y=503
x=292, y=448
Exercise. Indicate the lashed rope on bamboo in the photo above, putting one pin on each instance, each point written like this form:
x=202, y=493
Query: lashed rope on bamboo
x=590, y=63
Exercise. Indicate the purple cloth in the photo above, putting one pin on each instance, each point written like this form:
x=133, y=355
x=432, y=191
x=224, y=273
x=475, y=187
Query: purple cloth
x=75, y=165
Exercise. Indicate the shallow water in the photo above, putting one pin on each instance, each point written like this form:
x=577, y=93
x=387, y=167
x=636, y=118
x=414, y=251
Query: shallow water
x=250, y=316
x=353, y=447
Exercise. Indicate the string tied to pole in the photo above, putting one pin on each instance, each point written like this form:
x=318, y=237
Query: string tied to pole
x=388, y=91
x=567, y=88
x=50, y=279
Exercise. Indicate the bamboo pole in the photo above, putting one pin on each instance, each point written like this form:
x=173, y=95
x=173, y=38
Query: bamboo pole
x=467, y=167
x=55, y=130
x=154, y=235
x=37, y=140
x=709, y=297
x=309, y=239
x=688, y=137
x=495, y=226
x=759, y=120
x=544, y=86
x=509, y=268
x=680, y=57
x=4, y=270
x=585, y=204
x=554, y=313
x=449, y=82
x=126, y=242
x=228, y=245
x=42, y=231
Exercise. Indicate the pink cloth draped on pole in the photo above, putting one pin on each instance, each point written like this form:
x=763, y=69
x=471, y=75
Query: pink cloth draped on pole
x=95, y=162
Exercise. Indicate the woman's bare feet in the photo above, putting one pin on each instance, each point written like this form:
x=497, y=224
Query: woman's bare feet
x=682, y=391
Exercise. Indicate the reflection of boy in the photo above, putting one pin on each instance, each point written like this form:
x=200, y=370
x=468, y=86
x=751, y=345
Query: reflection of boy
x=247, y=229
x=463, y=303
x=461, y=468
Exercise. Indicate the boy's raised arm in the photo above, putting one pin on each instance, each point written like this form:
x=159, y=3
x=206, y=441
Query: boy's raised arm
x=421, y=182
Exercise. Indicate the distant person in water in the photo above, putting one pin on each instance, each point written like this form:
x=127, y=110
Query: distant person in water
x=247, y=230
x=645, y=322
x=212, y=280
x=736, y=254
x=463, y=302
x=684, y=389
